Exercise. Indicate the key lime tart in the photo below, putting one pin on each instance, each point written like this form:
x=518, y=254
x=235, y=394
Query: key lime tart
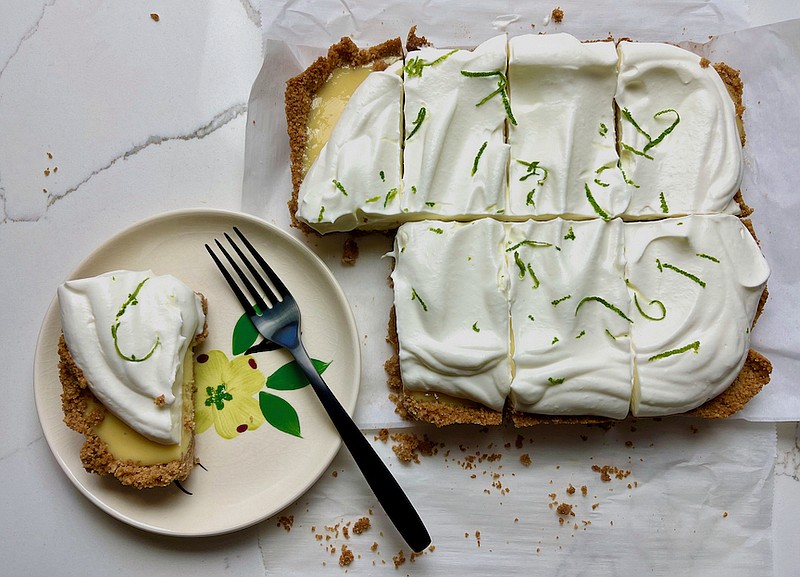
x=126, y=368
x=571, y=242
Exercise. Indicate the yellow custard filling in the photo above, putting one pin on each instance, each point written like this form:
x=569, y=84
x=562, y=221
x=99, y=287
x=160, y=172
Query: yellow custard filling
x=328, y=105
x=129, y=445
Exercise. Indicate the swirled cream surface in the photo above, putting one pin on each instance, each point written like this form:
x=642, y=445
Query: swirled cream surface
x=355, y=180
x=563, y=145
x=570, y=318
x=451, y=301
x=455, y=153
x=129, y=331
x=679, y=143
x=696, y=283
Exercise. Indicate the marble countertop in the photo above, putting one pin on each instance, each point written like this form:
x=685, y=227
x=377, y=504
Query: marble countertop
x=110, y=113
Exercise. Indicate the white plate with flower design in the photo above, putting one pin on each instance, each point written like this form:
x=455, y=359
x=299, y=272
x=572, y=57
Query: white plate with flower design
x=272, y=440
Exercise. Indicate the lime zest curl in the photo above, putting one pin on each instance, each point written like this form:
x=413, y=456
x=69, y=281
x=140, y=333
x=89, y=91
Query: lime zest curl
x=130, y=301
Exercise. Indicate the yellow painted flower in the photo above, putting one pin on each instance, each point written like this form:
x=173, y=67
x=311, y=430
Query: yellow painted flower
x=225, y=392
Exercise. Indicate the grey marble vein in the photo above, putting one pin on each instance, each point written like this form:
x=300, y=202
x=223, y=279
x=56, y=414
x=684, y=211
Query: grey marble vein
x=25, y=37
x=252, y=12
x=214, y=124
x=788, y=462
x=25, y=447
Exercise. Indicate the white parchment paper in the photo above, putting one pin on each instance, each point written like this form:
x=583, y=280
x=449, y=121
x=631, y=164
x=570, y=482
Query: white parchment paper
x=695, y=499
x=296, y=32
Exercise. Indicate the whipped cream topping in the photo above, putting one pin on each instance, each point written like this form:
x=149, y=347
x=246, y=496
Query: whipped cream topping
x=355, y=181
x=606, y=317
x=451, y=301
x=129, y=331
x=455, y=155
x=562, y=94
x=680, y=145
x=699, y=280
x=569, y=313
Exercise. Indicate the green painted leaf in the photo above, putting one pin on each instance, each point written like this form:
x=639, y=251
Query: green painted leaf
x=279, y=413
x=244, y=335
x=290, y=377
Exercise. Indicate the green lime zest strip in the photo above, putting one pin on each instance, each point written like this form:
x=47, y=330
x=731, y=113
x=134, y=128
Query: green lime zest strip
x=662, y=265
x=707, y=256
x=389, y=197
x=554, y=381
x=664, y=206
x=529, y=243
x=373, y=199
x=338, y=185
x=475, y=327
x=417, y=122
x=603, y=302
x=570, y=234
x=430, y=204
x=533, y=168
x=502, y=85
x=415, y=65
x=132, y=301
x=531, y=318
x=608, y=332
x=478, y=157
x=555, y=340
x=629, y=148
x=581, y=335
x=415, y=296
x=695, y=346
x=321, y=213
x=520, y=264
x=625, y=176
x=436, y=230
x=602, y=213
x=382, y=175
x=533, y=276
x=413, y=189
x=557, y=302
x=599, y=182
x=603, y=130
x=669, y=129
x=653, y=302
x=626, y=114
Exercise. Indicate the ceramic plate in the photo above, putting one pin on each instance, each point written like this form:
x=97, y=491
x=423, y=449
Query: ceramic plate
x=252, y=476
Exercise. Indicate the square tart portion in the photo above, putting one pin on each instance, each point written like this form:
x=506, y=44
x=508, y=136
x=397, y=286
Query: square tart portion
x=452, y=320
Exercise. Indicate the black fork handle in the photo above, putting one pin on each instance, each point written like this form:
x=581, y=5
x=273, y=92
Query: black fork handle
x=389, y=493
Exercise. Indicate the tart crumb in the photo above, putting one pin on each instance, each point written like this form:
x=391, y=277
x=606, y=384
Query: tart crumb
x=160, y=401
x=286, y=522
x=155, y=17
x=704, y=62
x=349, y=251
x=557, y=15
x=399, y=559
x=346, y=556
x=361, y=525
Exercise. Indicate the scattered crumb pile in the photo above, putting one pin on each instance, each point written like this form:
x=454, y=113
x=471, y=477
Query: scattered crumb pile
x=408, y=446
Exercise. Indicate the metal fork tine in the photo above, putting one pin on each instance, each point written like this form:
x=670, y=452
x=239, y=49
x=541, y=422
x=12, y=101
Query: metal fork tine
x=262, y=306
x=267, y=269
x=248, y=308
x=256, y=275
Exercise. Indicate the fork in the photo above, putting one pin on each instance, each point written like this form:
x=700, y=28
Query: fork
x=279, y=322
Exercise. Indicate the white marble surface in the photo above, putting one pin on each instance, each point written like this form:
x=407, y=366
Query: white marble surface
x=140, y=117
